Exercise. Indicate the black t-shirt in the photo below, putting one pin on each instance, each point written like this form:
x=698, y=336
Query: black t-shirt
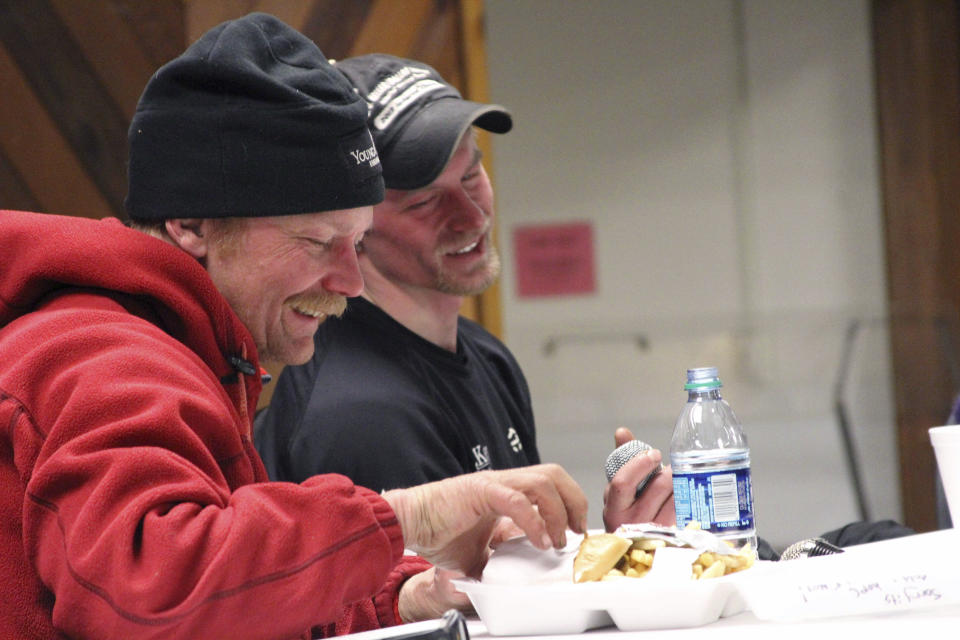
x=388, y=409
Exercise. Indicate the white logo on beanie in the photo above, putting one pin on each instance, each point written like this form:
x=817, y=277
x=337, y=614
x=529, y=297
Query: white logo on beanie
x=396, y=106
x=368, y=155
x=360, y=157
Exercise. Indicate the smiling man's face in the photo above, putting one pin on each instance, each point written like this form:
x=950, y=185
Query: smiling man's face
x=438, y=237
x=285, y=275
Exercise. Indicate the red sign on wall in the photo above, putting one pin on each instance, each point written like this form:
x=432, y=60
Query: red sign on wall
x=554, y=260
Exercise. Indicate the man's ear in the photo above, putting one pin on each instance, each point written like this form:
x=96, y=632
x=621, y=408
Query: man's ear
x=190, y=234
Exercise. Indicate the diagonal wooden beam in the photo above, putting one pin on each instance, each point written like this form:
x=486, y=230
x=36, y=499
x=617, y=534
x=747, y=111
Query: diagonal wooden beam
x=14, y=192
x=55, y=68
x=335, y=24
x=39, y=154
x=202, y=15
x=294, y=12
x=438, y=42
x=391, y=26
x=159, y=27
x=110, y=47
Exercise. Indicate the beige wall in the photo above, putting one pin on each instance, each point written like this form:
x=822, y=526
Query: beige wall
x=726, y=154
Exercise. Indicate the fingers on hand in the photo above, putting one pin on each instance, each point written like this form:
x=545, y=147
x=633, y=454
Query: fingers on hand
x=622, y=489
x=655, y=503
x=543, y=501
x=659, y=496
x=573, y=499
x=622, y=436
x=513, y=503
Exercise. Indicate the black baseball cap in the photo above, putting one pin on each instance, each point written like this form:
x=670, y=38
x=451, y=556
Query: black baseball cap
x=416, y=117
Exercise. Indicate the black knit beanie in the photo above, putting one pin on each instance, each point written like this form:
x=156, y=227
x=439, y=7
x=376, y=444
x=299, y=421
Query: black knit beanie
x=252, y=120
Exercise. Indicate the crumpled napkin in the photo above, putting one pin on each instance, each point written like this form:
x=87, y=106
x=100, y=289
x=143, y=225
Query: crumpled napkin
x=517, y=561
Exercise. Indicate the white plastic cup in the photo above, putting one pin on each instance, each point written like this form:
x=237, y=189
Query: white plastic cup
x=946, y=446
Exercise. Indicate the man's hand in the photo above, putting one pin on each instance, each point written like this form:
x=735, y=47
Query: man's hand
x=452, y=522
x=430, y=594
x=655, y=504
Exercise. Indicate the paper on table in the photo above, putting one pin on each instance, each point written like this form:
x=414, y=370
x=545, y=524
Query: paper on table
x=905, y=573
x=516, y=561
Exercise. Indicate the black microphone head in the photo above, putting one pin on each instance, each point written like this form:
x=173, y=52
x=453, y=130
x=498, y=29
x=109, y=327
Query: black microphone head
x=623, y=454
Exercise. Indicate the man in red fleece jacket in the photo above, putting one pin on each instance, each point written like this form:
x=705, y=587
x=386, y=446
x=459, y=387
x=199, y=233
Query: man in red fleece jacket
x=132, y=502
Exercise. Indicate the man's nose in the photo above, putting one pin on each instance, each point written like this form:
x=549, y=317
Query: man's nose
x=466, y=214
x=343, y=274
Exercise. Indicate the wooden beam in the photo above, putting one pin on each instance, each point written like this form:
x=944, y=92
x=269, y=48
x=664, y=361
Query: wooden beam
x=474, y=53
x=294, y=12
x=334, y=25
x=391, y=26
x=111, y=49
x=438, y=42
x=159, y=27
x=55, y=69
x=14, y=192
x=202, y=15
x=39, y=154
x=918, y=98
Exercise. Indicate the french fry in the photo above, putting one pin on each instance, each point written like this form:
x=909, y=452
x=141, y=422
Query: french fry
x=715, y=570
x=641, y=557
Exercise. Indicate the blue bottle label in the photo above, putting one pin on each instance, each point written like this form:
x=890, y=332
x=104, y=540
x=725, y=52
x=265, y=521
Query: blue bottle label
x=721, y=501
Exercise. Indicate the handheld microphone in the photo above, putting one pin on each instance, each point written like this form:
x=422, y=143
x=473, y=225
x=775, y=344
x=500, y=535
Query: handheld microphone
x=622, y=455
x=809, y=548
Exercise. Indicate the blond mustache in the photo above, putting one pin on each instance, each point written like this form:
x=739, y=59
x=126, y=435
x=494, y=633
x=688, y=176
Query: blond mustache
x=327, y=303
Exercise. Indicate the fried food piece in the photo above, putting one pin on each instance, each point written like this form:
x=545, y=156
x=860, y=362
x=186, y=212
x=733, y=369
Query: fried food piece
x=598, y=554
x=714, y=565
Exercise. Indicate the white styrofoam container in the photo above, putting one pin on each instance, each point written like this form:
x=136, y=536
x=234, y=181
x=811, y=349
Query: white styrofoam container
x=526, y=591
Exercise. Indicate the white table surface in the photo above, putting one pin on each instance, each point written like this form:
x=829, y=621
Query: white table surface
x=933, y=623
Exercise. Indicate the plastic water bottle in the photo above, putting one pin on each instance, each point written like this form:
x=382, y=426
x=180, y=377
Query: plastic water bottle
x=711, y=463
